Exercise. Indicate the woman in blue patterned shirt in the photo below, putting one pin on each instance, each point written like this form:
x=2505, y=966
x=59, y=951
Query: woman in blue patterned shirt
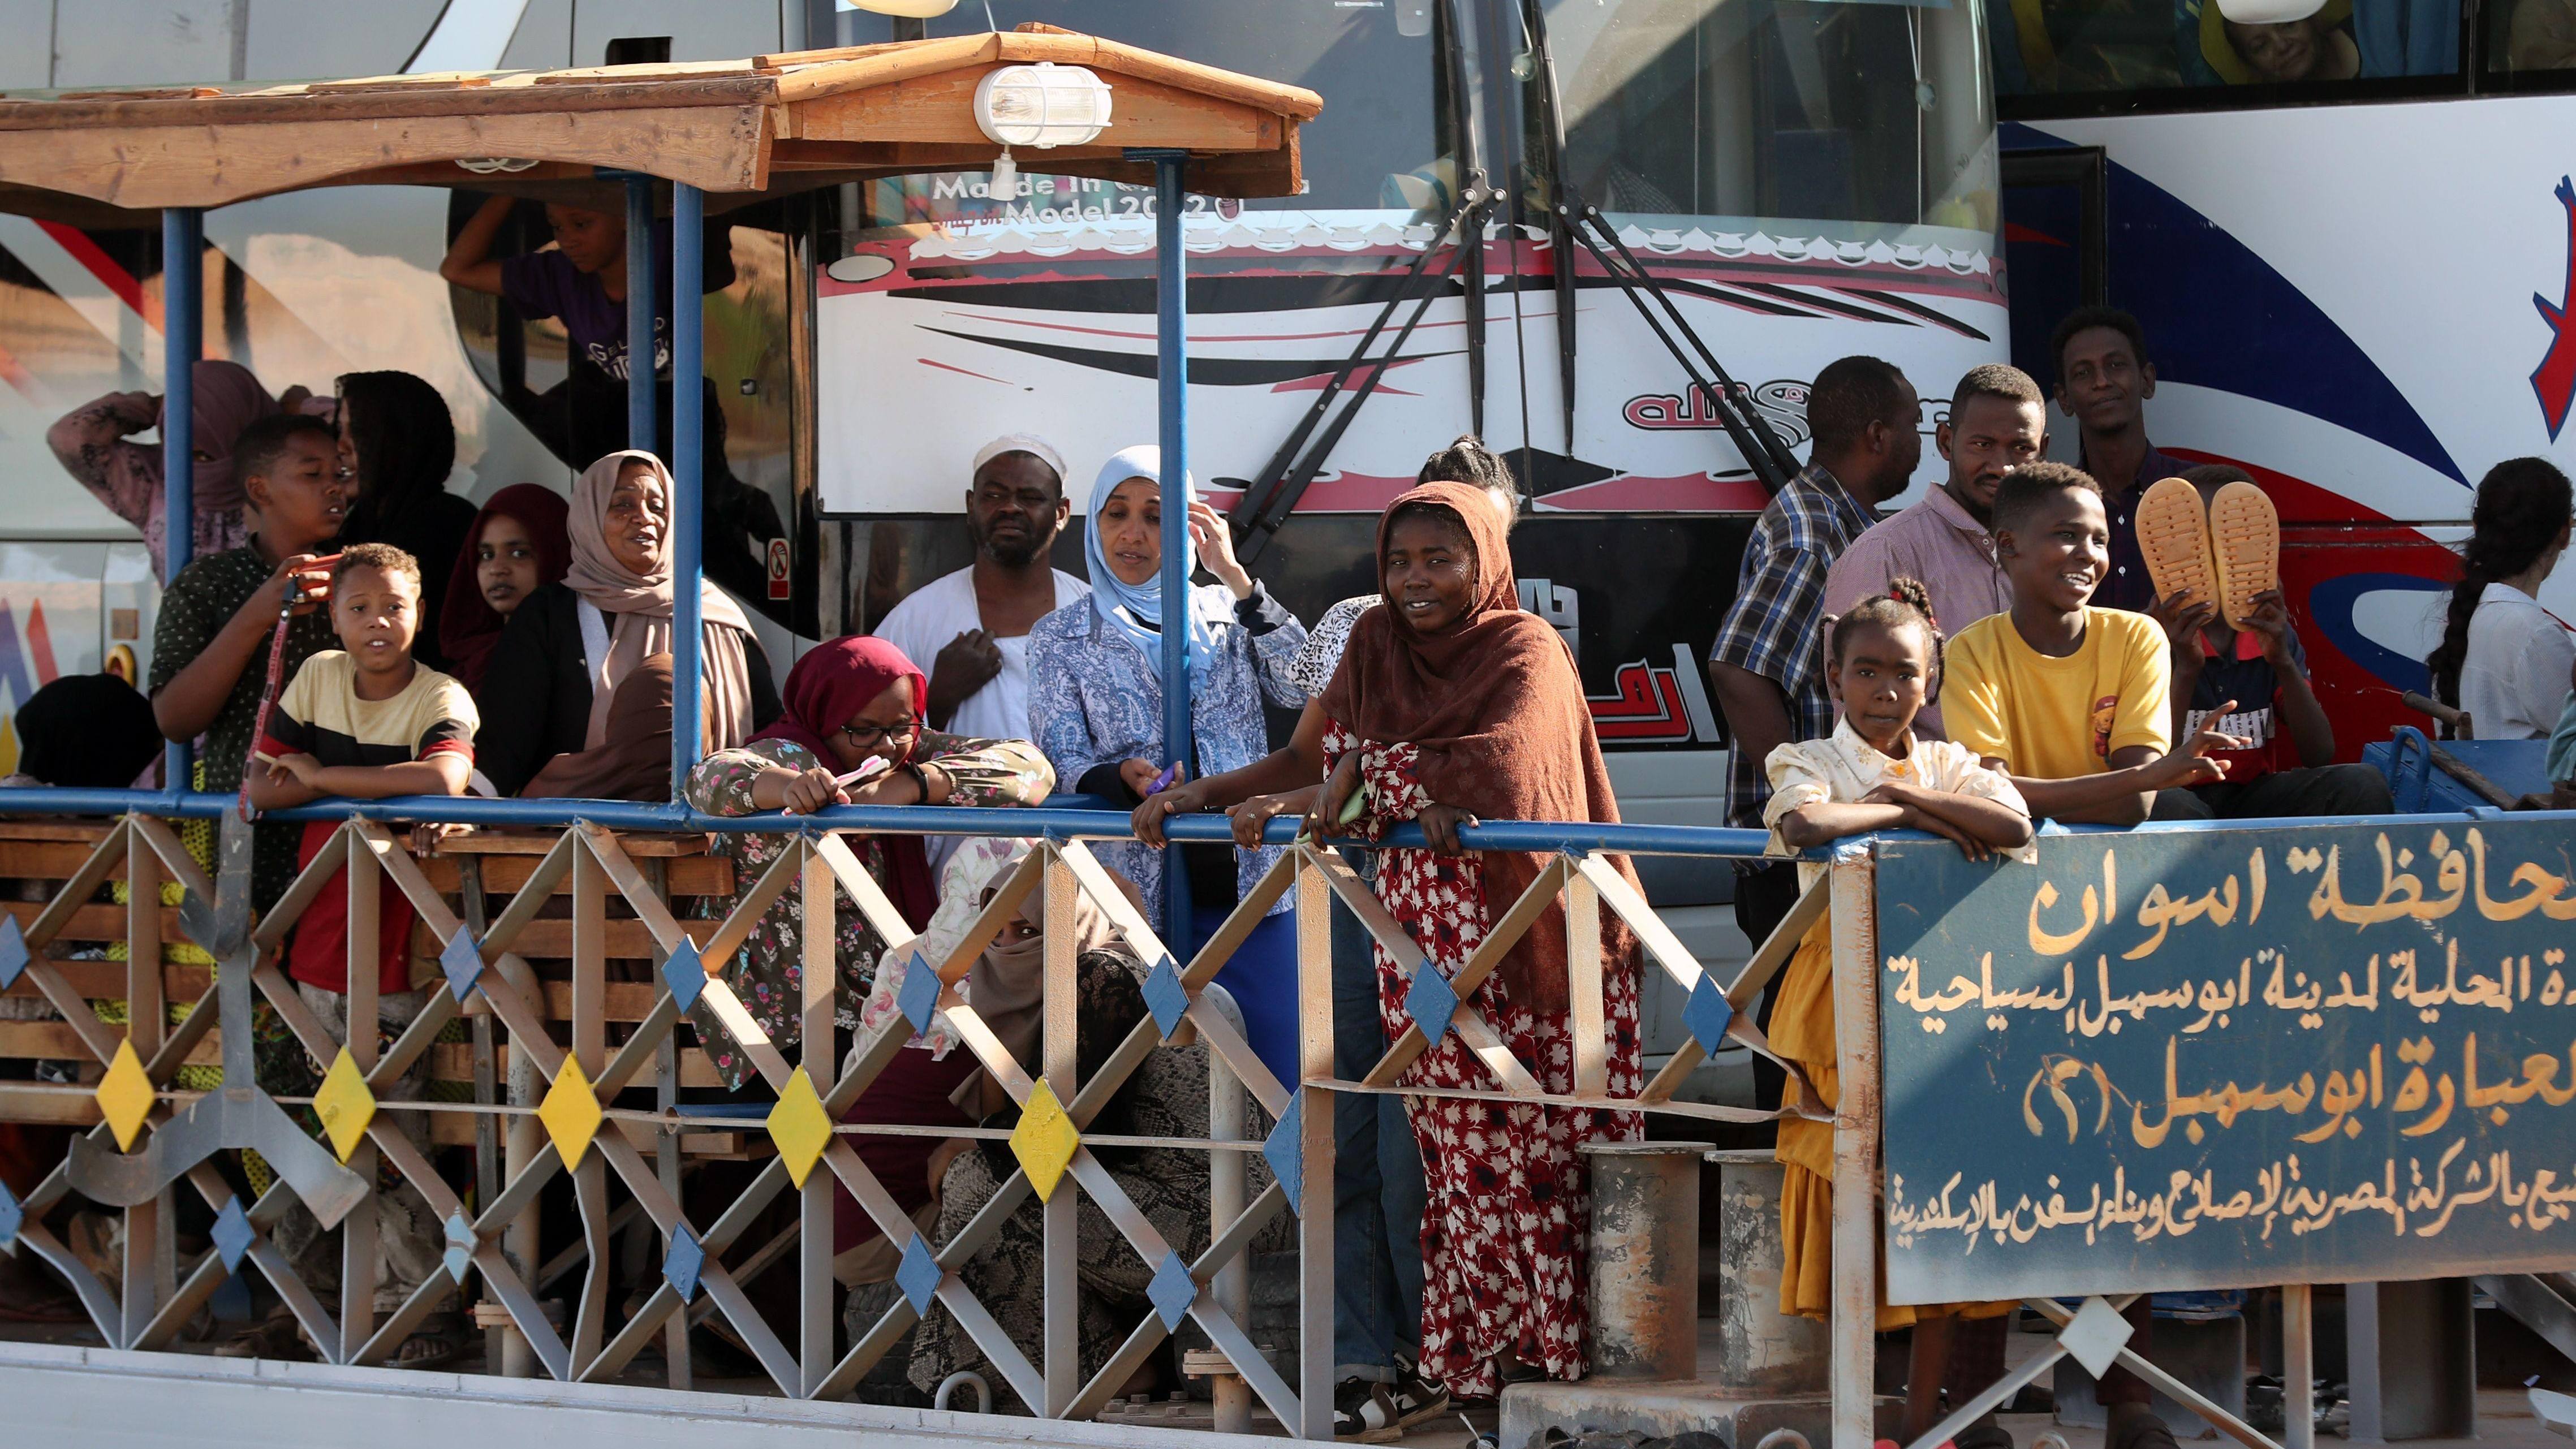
x=1096, y=709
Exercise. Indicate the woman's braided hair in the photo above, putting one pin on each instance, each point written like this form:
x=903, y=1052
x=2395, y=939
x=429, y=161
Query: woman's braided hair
x=2522, y=507
x=1905, y=602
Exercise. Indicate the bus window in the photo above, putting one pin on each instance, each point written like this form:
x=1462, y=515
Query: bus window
x=1381, y=143
x=2526, y=38
x=1753, y=112
x=2262, y=51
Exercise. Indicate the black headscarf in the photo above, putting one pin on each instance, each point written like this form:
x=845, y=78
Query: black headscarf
x=406, y=444
x=87, y=731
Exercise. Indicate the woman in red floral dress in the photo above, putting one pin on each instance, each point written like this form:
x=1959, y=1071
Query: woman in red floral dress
x=1452, y=703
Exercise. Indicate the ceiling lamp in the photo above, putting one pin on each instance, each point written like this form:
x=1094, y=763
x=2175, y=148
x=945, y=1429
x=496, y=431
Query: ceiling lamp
x=1043, y=105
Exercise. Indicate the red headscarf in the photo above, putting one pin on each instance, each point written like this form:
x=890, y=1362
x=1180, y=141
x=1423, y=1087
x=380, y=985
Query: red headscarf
x=467, y=626
x=831, y=683
x=1495, y=711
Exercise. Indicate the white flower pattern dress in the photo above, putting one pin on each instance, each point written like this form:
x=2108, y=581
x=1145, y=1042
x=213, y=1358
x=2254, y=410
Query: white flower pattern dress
x=1510, y=1201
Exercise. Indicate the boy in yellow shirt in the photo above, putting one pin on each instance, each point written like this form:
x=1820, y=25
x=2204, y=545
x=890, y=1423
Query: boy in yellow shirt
x=2070, y=700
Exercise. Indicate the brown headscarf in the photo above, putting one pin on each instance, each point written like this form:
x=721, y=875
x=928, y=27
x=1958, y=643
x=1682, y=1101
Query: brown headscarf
x=640, y=608
x=634, y=763
x=1495, y=710
x=1007, y=984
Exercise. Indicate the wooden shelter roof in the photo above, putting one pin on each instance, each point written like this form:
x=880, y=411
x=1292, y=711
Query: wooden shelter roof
x=740, y=130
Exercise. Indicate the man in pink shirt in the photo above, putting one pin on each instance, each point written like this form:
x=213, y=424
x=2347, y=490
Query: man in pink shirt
x=1998, y=421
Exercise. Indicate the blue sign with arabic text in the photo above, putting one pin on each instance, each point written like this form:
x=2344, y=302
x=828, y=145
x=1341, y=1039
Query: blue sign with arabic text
x=2225, y=1058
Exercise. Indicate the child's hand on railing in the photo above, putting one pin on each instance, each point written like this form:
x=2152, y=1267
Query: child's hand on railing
x=300, y=769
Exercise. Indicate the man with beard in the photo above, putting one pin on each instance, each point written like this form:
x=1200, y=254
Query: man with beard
x=1998, y=421
x=971, y=627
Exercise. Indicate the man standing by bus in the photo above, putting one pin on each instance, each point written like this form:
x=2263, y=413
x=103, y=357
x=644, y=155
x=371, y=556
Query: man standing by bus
x=2103, y=382
x=1998, y=421
x=1767, y=668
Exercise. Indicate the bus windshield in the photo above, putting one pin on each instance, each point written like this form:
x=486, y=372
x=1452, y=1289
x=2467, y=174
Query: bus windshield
x=1747, y=114
x=1377, y=145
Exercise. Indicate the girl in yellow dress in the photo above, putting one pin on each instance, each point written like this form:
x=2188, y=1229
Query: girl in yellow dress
x=1883, y=662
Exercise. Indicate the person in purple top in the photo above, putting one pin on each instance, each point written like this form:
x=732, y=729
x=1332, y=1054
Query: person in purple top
x=2103, y=382
x=581, y=282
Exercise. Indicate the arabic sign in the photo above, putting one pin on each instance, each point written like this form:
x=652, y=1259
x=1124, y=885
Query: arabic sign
x=2228, y=1058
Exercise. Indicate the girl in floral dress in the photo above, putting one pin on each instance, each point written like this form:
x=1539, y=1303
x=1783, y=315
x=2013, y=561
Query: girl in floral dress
x=1451, y=702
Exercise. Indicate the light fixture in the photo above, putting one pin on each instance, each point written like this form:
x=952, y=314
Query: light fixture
x=1043, y=105
x=908, y=9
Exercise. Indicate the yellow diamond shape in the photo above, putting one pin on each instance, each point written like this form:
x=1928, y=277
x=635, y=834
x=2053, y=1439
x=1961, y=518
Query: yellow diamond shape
x=571, y=1113
x=125, y=1095
x=1045, y=1140
x=344, y=1104
x=800, y=1127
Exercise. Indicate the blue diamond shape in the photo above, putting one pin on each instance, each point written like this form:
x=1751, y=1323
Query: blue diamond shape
x=1166, y=997
x=10, y=1217
x=14, y=954
x=462, y=961
x=919, y=997
x=1707, y=1014
x=1284, y=1153
x=1431, y=1001
x=1172, y=1291
x=460, y=1246
x=682, y=1265
x=919, y=1274
x=232, y=1233
x=685, y=973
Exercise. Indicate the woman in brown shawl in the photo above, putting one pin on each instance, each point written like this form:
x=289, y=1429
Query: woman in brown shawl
x=1452, y=704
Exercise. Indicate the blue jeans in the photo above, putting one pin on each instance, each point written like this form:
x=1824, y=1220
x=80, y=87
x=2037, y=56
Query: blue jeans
x=1378, y=1195
x=1261, y=976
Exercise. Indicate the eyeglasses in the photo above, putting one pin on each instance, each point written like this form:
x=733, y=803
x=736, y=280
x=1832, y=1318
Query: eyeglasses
x=868, y=737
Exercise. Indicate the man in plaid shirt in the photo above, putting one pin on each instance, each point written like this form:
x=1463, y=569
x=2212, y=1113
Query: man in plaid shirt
x=1767, y=668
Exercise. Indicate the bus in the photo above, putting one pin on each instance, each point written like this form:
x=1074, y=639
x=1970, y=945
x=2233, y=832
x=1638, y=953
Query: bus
x=2349, y=234
x=1659, y=194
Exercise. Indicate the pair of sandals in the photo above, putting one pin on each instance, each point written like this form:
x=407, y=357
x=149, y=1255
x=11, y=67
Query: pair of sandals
x=2227, y=552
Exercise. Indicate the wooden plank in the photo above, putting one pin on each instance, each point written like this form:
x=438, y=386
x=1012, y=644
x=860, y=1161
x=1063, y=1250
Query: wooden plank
x=454, y=1061
x=716, y=148
x=637, y=74
x=97, y=921
x=506, y=875
x=532, y=842
x=17, y=828
x=60, y=1041
x=425, y=81
x=105, y=980
x=274, y=105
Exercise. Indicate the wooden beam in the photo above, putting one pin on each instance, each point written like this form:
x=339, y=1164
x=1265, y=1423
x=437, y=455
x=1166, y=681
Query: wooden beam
x=716, y=148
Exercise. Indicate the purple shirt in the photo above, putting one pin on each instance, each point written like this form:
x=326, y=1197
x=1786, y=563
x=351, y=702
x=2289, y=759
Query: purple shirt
x=2128, y=585
x=1933, y=541
x=547, y=284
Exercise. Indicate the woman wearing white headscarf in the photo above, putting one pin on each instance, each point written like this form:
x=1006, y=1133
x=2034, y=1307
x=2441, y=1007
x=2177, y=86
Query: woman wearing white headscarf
x=1096, y=709
x=568, y=647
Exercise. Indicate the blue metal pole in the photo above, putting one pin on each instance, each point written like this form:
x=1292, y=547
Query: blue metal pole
x=1172, y=375
x=688, y=457
x=641, y=431
x=182, y=324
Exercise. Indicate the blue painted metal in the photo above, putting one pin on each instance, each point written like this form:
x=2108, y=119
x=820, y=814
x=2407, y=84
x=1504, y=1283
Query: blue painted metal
x=1172, y=1292
x=182, y=334
x=682, y=1265
x=1172, y=405
x=642, y=429
x=688, y=459
x=1282, y=1150
x=14, y=954
x=1166, y=997
x=919, y=999
x=1431, y=1001
x=919, y=1274
x=12, y=1217
x=459, y=1257
x=232, y=1234
x=462, y=964
x=685, y=973
x=1707, y=1014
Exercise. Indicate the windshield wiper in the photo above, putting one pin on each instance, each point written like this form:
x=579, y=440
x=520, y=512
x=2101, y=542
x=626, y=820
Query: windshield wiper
x=1265, y=506
x=1752, y=434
